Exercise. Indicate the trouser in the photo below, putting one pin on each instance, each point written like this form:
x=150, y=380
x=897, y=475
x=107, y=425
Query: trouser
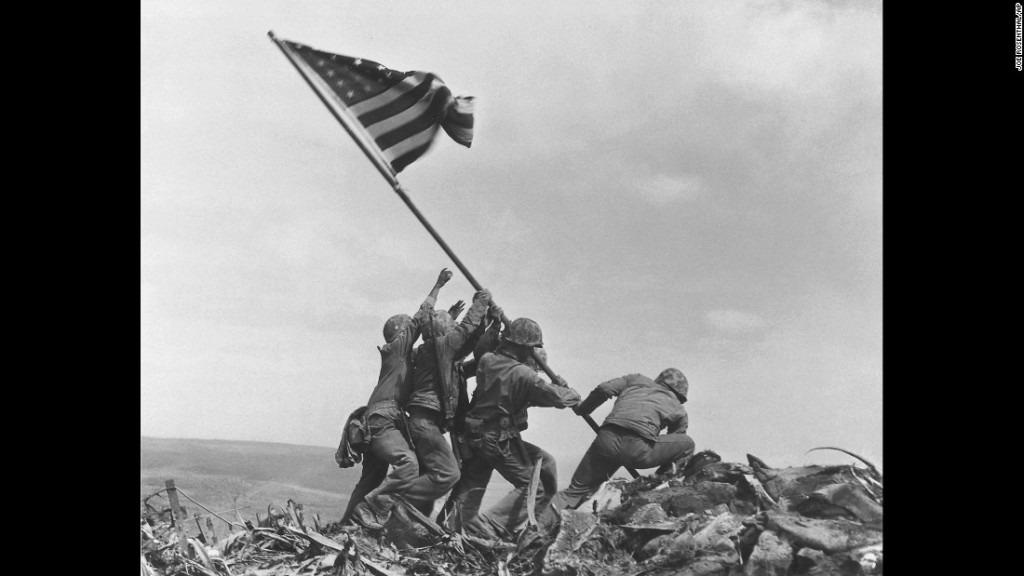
x=614, y=447
x=514, y=459
x=438, y=468
x=388, y=446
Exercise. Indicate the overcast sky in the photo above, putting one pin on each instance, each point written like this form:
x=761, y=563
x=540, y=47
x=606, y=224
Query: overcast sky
x=661, y=184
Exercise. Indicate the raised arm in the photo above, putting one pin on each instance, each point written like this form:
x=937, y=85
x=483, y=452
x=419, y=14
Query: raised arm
x=427, y=307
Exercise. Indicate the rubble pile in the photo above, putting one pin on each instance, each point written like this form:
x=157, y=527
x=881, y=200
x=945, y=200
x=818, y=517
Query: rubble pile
x=713, y=518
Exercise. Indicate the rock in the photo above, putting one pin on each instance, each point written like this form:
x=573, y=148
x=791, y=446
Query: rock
x=771, y=556
x=806, y=559
x=728, y=472
x=681, y=548
x=654, y=547
x=652, y=513
x=585, y=546
x=797, y=482
x=842, y=500
x=717, y=534
x=608, y=496
x=834, y=535
x=701, y=496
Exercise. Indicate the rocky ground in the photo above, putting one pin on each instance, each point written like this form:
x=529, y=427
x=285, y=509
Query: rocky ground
x=711, y=519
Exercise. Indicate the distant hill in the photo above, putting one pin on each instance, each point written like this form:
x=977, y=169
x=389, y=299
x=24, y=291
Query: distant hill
x=225, y=474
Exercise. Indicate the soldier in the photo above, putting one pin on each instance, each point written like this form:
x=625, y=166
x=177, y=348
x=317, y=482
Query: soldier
x=506, y=386
x=629, y=435
x=431, y=407
x=385, y=420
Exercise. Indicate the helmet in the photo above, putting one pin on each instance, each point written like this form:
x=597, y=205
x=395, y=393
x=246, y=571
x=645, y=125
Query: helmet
x=532, y=364
x=394, y=325
x=675, y=380
x=440, y=323
x=525, y=332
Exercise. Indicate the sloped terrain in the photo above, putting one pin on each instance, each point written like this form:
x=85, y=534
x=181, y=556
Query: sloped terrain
x=711, y=519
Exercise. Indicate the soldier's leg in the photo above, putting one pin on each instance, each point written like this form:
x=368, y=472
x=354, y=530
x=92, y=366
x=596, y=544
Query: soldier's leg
x=500, y=520
x=439, y=470
x=469, y=492
x=668, y=449
x=599, y=463
x=387, y=447
x=374, y=472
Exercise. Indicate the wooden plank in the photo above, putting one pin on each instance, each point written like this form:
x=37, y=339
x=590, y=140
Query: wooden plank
x=177, y=519
x=531, y=496
x=209, y=526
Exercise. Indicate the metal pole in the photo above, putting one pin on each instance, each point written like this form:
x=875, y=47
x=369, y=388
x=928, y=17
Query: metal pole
x=388, y=175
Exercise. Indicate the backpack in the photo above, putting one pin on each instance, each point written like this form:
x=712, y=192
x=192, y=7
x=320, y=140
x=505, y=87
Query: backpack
x=355, y=439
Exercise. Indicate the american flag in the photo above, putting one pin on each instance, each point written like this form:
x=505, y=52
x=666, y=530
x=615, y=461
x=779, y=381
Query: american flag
x=399, y=111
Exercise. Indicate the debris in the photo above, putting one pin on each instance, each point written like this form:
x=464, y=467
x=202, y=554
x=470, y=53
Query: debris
x=714, y=519
x=608, y=496
x=831, y=535
x=763, y=498
x=531, y=496
x=871, y=467
x=842, y=500
x=771, y=556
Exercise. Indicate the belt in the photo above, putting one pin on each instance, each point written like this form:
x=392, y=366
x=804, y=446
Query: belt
x=428, y=414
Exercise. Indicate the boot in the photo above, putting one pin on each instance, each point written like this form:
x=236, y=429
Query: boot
x=373, y=511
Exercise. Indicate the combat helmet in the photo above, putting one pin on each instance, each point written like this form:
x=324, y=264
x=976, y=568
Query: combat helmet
x=674, y=379
x=394, y=325
x=524, y=332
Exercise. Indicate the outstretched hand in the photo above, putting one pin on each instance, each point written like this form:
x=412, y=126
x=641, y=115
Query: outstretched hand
x=444, y=276
x=456, y=309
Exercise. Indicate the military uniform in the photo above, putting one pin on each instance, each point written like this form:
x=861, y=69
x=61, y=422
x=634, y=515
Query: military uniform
x=505, y=388
x=432, y=407
x=629, y=435
x=385, y=420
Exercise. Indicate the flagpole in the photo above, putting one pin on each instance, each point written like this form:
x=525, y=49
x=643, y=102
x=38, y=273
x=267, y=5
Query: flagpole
x=375, y=159
x=385, y=170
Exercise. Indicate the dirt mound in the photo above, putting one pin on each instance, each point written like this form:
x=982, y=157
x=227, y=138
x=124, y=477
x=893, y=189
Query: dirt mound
x=711, y=519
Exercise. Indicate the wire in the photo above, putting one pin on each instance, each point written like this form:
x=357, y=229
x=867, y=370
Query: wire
x=182, y=492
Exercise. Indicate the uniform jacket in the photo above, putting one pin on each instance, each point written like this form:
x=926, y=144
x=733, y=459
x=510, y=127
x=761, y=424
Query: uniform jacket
x=395, y=380
x=643, y=406
x=505, y=387
x=450, y=348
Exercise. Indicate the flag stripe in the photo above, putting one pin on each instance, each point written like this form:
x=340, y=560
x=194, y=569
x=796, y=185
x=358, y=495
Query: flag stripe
x=427, y=117
x=403, y=153
x=359, y=131
x=397, y=105
x=388, y=124
x=408, y=83
x=393, y=115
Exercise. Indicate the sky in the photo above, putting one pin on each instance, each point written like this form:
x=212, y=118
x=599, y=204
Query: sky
x=662, y=184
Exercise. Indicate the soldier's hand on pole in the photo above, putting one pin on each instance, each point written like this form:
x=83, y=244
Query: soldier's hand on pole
x=559, y=381
x=482, y=294
x=495, y=312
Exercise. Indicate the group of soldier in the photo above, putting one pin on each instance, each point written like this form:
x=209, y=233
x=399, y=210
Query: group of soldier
x=422, y=393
